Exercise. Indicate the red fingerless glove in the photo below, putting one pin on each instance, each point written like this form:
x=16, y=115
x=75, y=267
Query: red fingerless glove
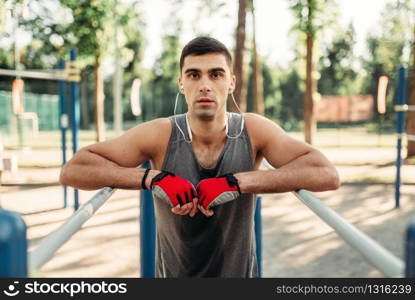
x=173, y=189
x=219, y=190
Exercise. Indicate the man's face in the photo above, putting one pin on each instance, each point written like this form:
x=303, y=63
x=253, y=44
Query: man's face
x=206, y=81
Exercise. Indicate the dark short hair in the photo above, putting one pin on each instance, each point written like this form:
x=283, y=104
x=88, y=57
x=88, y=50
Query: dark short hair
x=205, y=45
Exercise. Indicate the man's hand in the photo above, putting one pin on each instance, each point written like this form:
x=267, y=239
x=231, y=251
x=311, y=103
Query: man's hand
x=216, y=191
x=176, y=191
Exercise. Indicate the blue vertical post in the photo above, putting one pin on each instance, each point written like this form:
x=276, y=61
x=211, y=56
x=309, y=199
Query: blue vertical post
x=63, y=124
x=13, y=245
x=75, y=112
x=147, y=233
x=410, y=251
x=258, y=234
x=400, y=125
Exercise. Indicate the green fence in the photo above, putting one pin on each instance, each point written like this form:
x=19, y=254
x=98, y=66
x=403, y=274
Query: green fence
x=45, y=106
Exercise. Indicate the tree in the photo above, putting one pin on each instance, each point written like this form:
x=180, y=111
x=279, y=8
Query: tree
x=337, y=66
x=88, y=29
x=386, y=50
x=257, y=82
x=292, y=96
x=310, y=15
x=410, y=129
x=271, y=90
x=240, y=89
x=163, y=82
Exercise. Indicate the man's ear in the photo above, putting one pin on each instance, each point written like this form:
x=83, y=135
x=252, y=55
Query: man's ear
x=179, y=82
x=232, y=84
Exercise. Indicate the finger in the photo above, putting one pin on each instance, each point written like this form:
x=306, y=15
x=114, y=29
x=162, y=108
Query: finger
x=184, y=210
x=205, y=211
x=194, y=209
x=176, y=209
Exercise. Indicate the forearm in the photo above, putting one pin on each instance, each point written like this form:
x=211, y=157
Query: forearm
x=89, y=171
x=306, y=172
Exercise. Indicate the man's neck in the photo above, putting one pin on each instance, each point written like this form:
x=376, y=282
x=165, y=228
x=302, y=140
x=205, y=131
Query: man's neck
x=209, y=131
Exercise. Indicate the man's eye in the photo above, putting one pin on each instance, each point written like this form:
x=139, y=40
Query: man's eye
x=193, y=75
x=216, y=75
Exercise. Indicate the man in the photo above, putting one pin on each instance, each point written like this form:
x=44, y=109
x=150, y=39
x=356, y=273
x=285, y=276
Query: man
x=205, y=170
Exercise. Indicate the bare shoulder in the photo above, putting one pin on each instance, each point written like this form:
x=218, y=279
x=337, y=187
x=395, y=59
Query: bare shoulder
x=271, y=141
x=161, y=126
x=145, y=141
x=261, y=129
x=149, y=136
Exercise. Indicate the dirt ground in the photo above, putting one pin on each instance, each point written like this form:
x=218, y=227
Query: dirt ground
x=296, y=243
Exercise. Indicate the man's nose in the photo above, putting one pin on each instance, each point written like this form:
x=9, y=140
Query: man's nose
x=205, y=86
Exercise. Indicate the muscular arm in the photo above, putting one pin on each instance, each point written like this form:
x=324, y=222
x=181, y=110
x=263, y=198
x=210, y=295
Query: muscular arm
x=114, y=163
x=298, y=165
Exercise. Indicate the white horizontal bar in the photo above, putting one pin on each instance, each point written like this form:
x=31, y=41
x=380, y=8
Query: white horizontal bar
x=51, y=75
x=378, y=256
x=53, y=241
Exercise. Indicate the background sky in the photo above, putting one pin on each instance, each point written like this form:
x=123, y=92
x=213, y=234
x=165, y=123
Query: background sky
x=273, y=18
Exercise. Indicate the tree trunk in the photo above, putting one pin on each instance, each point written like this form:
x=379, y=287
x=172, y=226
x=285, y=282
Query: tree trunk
x=410, y=121
x=117, y=79
x=309, y=121
x=240, y=89
x=99, y=101
x=84, y=99
x=257, y=84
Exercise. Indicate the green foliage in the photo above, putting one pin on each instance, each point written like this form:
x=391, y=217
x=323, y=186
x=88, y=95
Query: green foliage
x=312, y=15
x=386, y=49
x=337, y=65
x=90, y=17
x=292, y=97
x=162, y=87
x=270, y=90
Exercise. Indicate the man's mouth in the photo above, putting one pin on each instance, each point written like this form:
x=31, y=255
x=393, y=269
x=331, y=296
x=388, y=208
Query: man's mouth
x=205, y=100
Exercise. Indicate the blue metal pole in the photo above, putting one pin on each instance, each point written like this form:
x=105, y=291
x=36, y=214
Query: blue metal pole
x=147, y=232
x=13, y=245
x=410, y=251
x=63, y=126
x=399, y=131
x=258, y=234
x=75, y=115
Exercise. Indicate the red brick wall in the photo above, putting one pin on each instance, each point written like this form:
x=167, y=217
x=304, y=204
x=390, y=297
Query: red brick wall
x=344, y=108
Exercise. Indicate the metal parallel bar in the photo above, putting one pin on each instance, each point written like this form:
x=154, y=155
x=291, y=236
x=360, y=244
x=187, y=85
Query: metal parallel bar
x=404, y=107
x=410, y=250
x=75, y=117
x=147, y=233
x=51, y=75
x=400, y=128
x=378, y=256
x=53, y=241
x=258, y=234
x=63, y=125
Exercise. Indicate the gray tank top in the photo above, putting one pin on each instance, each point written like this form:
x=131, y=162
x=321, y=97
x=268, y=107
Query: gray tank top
x=219, y=246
